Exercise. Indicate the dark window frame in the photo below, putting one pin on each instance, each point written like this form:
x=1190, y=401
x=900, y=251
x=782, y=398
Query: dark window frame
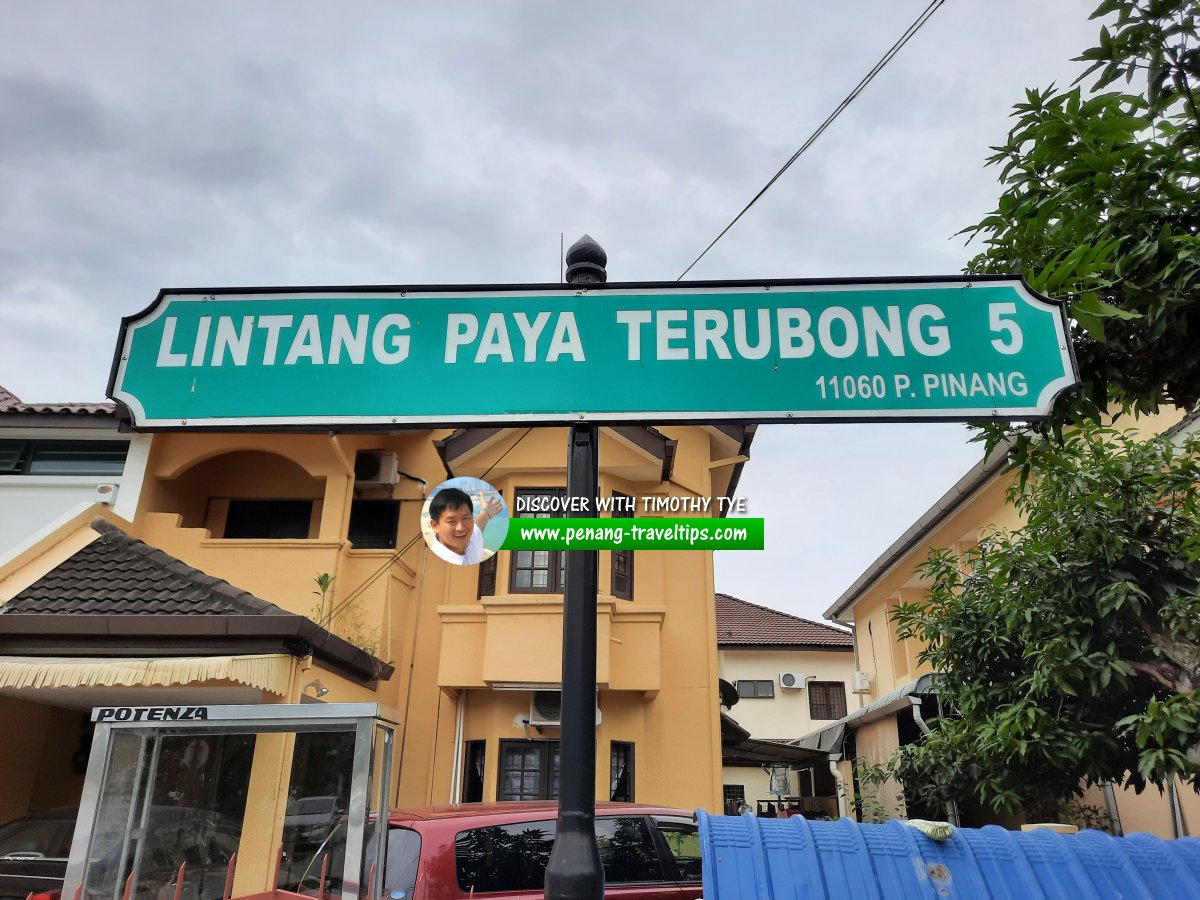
x=384, y=511
x=626, y=749
x=471, y=751
x=760, y=688
x=25, y=457
x=549, y=768
x=555, y=560
x=487, y=576
x=621, y=583
x=833, y=698
x=267, y=506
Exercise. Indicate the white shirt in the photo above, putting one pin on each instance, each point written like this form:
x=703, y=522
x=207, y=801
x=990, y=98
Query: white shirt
x=472, y=556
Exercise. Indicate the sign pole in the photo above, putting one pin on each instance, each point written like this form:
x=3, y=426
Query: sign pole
x=574, y=871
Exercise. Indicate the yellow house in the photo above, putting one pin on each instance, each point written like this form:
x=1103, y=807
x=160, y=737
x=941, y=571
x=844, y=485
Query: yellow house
x=898, y=692
x=258, y=567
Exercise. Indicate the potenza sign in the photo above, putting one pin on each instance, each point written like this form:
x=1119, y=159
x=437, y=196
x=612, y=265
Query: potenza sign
x=958, y=349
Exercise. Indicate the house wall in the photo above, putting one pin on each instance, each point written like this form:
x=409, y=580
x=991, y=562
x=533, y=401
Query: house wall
x=787, y=714
x=875, y=743
x=25, y=725
x=657, y=666
x=893, y=663
x=34, y=504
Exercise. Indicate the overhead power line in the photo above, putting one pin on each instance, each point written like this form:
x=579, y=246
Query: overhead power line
x=850, y=98
x=374, y=576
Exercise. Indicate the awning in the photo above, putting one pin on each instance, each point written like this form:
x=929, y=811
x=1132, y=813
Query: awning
x=768, y=753
x=830, y=737
x=268, y=672
x=738, y=748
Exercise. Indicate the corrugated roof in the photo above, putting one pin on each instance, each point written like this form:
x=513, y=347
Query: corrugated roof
x=747, y=858
x=747, y=624
x=829, y=736
x=7, y=398
x=117, y=574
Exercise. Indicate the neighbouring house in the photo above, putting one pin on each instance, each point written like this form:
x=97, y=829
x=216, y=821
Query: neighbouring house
x=790, y=675
x=900, y=695
x=201, y=586
x=56, y=458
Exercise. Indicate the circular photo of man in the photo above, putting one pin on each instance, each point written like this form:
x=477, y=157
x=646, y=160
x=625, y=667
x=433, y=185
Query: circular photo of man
x=464, y=521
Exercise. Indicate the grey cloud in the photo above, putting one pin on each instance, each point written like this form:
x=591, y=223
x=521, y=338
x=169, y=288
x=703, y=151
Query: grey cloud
x=147, y=145
x=49, y=119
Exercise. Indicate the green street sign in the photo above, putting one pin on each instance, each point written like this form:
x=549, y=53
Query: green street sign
x=861, y=350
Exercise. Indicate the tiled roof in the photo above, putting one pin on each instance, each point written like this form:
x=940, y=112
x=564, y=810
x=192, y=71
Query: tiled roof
x=748, y=624
x=11, y=403
x=84, y=409
x=119, y=575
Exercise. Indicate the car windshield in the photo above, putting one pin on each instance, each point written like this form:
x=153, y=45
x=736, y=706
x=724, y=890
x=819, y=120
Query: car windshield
x=37, y=839
x=308, y=806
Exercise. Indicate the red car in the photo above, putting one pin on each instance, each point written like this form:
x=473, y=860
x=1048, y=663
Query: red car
x=500, y=850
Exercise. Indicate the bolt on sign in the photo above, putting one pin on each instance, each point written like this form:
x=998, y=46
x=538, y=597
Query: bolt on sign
x=781, y=351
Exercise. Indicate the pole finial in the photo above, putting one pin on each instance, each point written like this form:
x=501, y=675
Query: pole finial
x=586, y=261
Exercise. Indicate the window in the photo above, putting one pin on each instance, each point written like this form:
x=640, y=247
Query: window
x=63, y=457
x=278, y=519
x=627, y=851
x=733, y=795
x=400, y=867
x=487, y=576
x=537, y=571
x=528, y=770
x=751, y=689
x=826, y=699
x=506, y=858
x=620, y=785
x=373, y=524
x=472, y=791
x=622, y=560
x=37, y=839
x=512, y=858
x=683, y=840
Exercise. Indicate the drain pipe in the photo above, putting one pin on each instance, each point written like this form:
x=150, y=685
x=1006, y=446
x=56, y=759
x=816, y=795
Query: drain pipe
x=951, y=806
x=1179, y=827
x=841, y=784
x=456, y=768
x=1110, y=804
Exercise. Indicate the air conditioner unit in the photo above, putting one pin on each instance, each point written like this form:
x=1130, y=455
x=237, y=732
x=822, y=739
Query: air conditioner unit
x=546, y=709
x=860, y=683
x=375, y=468
x=792, y=681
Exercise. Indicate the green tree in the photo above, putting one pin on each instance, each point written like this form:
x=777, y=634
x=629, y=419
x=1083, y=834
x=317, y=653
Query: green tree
x=1071, y=646
x=1099, y=209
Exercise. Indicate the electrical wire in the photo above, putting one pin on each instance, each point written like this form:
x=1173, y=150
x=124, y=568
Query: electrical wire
x=375, y=576
x=887, y=57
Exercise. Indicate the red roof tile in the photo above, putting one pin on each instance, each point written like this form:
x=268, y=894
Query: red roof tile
x=747, y=624
x=11, y=403
x=8, y=398
x=84, y=408
x=14, y=406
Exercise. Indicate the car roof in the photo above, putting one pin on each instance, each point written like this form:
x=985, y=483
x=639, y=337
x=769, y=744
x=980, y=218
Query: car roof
x=517, y=810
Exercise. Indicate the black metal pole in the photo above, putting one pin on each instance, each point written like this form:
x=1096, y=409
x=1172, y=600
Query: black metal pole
x=574, y=871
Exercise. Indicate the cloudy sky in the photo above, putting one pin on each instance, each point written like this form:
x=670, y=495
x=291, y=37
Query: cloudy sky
x=147, y=145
